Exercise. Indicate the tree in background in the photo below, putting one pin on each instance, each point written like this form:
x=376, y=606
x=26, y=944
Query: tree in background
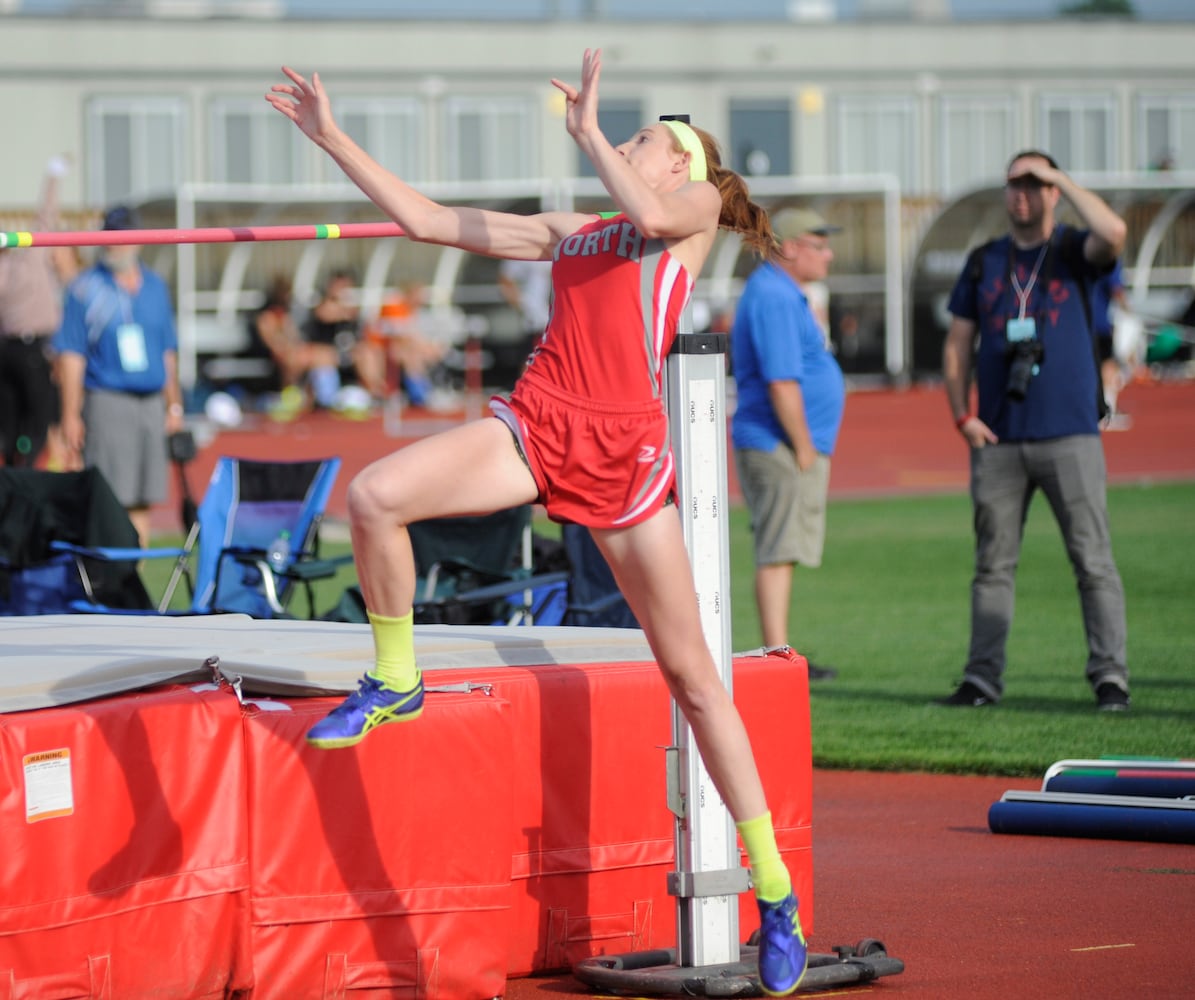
x=1100, y=8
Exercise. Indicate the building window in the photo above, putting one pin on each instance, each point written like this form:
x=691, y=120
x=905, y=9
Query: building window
x=253, y=144
x=489, y=139
x=389, y=129
x=619, y=119
x=1166, y=139
x=1077, y=130
x=761, y=137
x=978, y=136
x=137, y=147
x=878, y=135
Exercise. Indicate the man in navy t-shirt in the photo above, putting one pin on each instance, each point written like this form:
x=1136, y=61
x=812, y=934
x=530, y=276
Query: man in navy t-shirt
x=1022, y=327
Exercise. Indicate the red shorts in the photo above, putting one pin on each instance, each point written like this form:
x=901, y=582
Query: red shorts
x=603, y=465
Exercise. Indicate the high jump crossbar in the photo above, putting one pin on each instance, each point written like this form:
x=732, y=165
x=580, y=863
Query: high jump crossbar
x=215, y=234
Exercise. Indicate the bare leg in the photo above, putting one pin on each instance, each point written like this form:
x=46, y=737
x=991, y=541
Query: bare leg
x=140, y=518
x=472, y=469
x=773, y=593
x=652, y=568
x=370, y=364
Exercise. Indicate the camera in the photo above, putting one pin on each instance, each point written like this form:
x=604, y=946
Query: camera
x=1026, y=355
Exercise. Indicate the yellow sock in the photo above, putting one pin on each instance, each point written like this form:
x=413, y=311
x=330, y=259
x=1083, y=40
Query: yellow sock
x=768, y=871
x=394, y=647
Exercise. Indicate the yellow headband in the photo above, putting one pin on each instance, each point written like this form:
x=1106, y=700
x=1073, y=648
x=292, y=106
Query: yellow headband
x=691, y=143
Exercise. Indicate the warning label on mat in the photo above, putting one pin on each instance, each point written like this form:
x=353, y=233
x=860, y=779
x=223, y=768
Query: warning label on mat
x=48, y=790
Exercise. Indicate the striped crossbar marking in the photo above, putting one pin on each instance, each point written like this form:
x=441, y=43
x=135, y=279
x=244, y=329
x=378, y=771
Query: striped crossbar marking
x=218, y=234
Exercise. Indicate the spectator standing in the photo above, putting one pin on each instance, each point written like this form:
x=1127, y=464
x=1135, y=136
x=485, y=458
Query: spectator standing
x=1037, y=426
x=118, y=366
x=30, y=312
x=791, y=396
x=1110, y=309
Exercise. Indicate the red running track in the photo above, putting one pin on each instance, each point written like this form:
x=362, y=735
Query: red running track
x=892, y=442
x=908, y=859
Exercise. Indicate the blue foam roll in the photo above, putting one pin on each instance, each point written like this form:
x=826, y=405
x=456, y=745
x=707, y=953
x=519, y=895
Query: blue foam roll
x=1169, y=787
x=1053, y=819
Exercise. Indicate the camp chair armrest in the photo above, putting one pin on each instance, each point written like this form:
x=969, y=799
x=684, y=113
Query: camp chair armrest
x=109, y=554
x=493, y=591
x=300, y=569
x=452, y=569
x=454, y=566
x=315, y=569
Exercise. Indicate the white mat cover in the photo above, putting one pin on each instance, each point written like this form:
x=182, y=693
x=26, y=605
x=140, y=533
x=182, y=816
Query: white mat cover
x=59, y=659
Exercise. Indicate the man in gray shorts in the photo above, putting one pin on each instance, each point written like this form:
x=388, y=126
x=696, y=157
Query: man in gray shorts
x=118, y=373
x=791, y=396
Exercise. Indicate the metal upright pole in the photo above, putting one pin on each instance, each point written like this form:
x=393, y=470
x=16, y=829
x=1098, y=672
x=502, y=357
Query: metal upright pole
x=708, y=876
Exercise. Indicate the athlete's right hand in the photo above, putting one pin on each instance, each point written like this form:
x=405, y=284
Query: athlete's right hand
x=305, y=103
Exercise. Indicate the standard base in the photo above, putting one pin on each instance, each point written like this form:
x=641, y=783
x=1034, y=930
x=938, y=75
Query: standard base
x=656, y=974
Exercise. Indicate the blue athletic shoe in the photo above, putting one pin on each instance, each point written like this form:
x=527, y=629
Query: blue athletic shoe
x=371, y=705
x=782, y=950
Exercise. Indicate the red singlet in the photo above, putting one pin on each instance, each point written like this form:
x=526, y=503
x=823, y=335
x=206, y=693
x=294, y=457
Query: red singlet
x=589, y=411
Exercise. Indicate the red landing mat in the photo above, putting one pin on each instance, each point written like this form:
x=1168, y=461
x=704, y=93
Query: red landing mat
x=124, y=856
x=174, y=843
x=384, y=866
x=593, y=835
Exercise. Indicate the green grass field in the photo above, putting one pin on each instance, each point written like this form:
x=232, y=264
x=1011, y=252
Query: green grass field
x=889, y=608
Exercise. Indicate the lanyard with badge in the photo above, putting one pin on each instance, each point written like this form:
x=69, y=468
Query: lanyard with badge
x=1022, y=327
x=130, y=338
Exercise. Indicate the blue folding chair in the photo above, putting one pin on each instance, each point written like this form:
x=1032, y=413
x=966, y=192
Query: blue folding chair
x=249, y=505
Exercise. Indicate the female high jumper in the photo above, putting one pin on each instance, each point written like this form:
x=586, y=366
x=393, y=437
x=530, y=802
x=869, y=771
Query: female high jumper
x=584, y=432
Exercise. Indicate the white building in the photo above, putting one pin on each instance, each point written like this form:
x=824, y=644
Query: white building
x=153, y=105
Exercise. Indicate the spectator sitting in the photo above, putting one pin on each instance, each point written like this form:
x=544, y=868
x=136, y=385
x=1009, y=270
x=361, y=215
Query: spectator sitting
x=276, y=336
x=408, y=352
x=335, y=322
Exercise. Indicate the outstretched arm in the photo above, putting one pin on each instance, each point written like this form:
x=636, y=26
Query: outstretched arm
x=498, y=234
x=656, y=210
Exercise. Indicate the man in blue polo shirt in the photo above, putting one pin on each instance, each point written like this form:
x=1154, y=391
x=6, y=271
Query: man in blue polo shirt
x=1022, y=322
x=790, y=398
x=118, y=373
